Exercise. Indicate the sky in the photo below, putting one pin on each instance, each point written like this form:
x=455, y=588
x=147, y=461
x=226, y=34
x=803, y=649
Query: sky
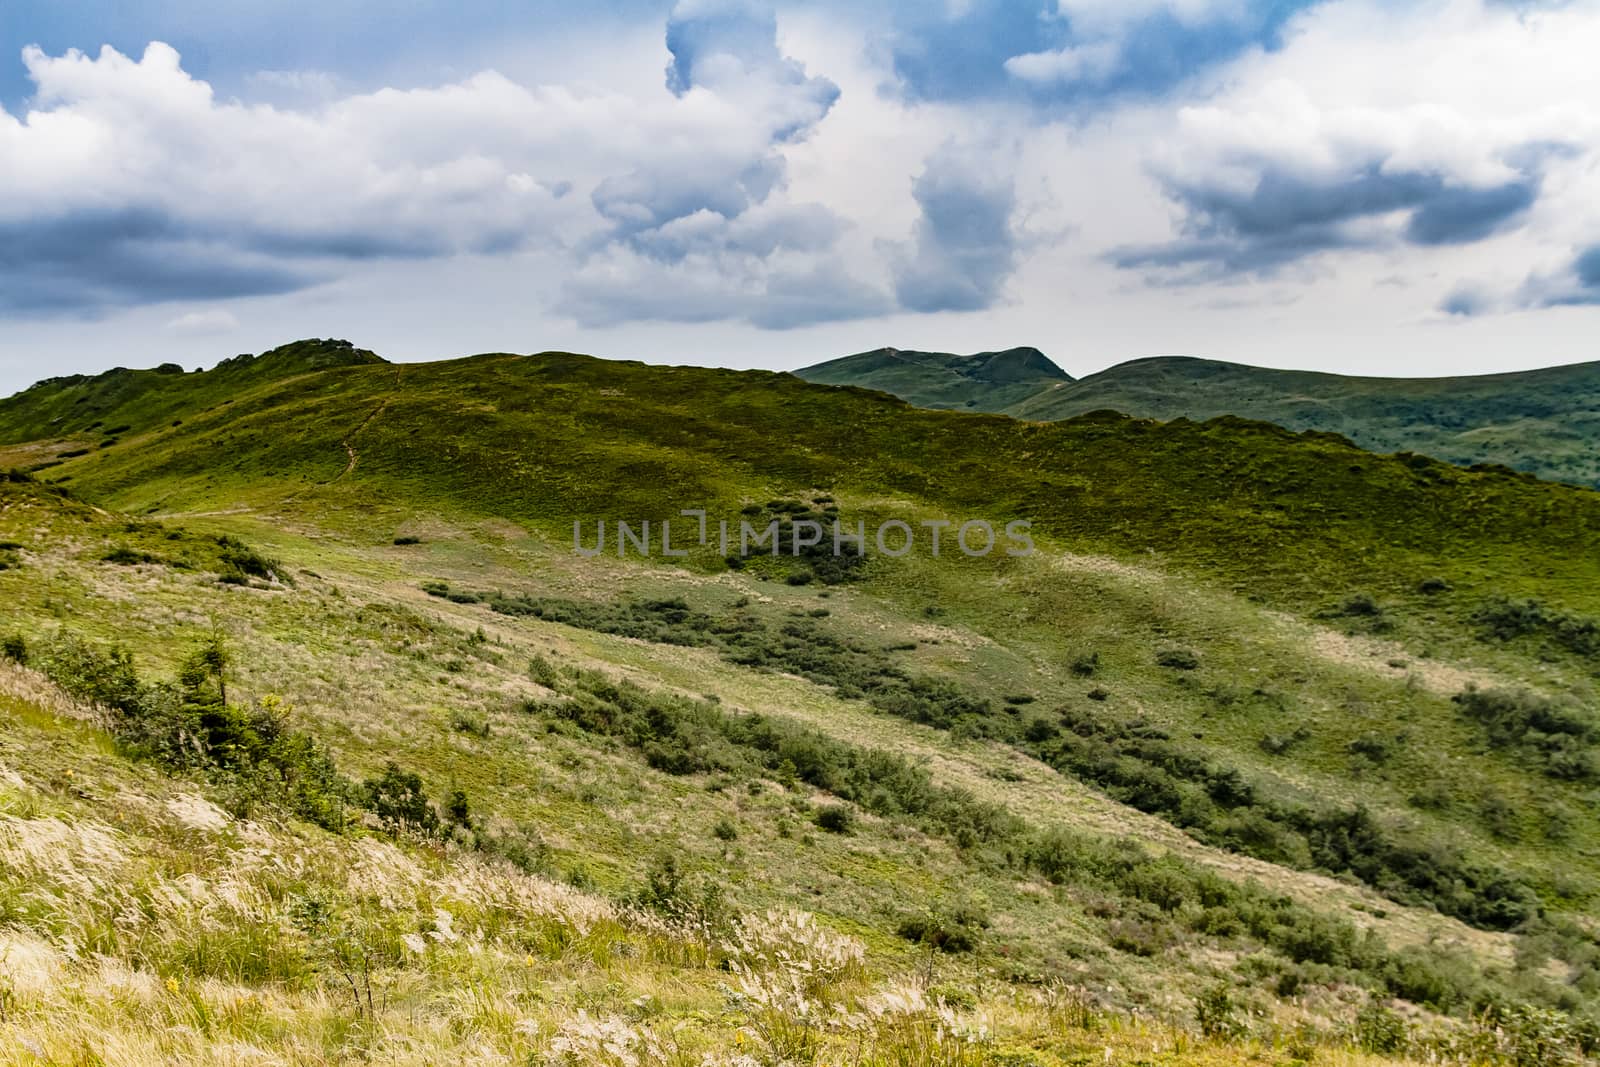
x=1405, y=187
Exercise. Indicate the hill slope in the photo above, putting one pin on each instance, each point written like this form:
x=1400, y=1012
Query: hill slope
x=1545, y=422
x=986, y=381
x=1267, y=718
x=89, y=408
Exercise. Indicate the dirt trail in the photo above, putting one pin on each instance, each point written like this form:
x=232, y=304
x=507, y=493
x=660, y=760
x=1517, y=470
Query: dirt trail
x=350, y=449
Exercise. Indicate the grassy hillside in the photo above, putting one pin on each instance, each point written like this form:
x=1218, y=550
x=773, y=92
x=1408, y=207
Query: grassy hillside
x=1545, y=422
x=986, y=381
x=94, y=410
x=1276, y=750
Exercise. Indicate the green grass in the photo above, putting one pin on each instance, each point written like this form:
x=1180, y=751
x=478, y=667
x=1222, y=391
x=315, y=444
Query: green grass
x=1332, y=604
x=550, y=439
x=987, y=381
x=1544, y=422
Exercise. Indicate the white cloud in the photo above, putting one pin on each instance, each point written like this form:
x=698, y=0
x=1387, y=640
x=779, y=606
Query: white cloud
x=1449, y=122
x=1088, y=62
x=206, y=323
x=130, y=182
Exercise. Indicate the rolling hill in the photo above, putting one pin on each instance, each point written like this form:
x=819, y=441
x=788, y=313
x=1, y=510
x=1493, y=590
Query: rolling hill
x=321, y=741
x=1545, y=422
x=986, y=381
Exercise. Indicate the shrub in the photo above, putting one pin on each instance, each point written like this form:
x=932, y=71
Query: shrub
x=1217, y=1014
x=458, y=809
x=127, y=557
x=1139, y=937
x=1379, y=1030
x=543, y=671
x=1179, y=659
x=1279, y=744
x=1085, y=664
x=1039, y=730
x=668, y=891
x=397, y=798
x=240, y=560
x=1559, y=735
x=1506, y=619
x=836, y=818
x=14, y=647
x=725, y=830
x=106, y=679
x=1373, y=747
x=1360, y=605
x=189, y=725
x=952, y=930
x=466, y=723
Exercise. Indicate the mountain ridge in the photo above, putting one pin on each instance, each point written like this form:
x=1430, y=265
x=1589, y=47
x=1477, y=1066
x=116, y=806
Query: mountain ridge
x=1544, y=421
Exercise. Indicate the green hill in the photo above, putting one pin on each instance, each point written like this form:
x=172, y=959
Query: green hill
x=93, y=407
x=1276, y=749
x=986, y=381
x=1545, y=422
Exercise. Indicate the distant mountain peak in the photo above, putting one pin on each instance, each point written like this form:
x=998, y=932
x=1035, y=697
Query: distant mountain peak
x=1014, y=364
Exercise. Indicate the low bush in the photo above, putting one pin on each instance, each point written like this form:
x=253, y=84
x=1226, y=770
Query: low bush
x=668, y=890
x=1281, y=744
x=240, y=561
x=1379, y=1030
x=189, y=725
x=458, y=809
x=836, y=818
x=1218, y=1015
x=1133, y=762
x=544, y=672
x=127, y=557
x=1179, y=659
x=463, y=722
x=397, y=798
x=949, y=930
x=1560, y=736
x=1505, y=619
x=1372, y=746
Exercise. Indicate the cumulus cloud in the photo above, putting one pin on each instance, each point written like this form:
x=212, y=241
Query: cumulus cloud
x=1283, y=213
x=130, y=182
x=1574, y=283
x=1302, y=155
x=964, y=248
x=704, y=239
x=1079, y=52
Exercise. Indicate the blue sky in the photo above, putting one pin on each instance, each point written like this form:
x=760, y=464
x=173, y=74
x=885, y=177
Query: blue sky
x=1407, y=187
